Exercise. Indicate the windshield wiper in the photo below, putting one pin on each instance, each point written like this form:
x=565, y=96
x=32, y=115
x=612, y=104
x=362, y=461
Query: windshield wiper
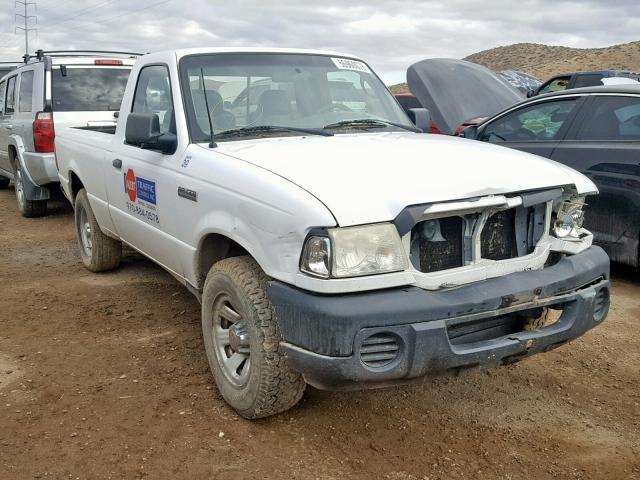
x=370, y=123
x=257, y=129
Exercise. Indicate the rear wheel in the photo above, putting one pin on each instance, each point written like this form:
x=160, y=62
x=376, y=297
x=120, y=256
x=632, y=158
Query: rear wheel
x=28, y=208
x=98, y=251
x=4, y=183
x=242, y=341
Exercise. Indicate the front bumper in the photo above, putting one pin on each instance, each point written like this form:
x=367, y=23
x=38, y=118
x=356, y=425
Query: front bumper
x=325, y=336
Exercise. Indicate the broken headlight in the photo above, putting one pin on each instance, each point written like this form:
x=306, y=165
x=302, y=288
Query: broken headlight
x=568, y=219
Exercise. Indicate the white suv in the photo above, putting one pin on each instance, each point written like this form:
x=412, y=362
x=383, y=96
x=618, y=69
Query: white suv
x=53, y=86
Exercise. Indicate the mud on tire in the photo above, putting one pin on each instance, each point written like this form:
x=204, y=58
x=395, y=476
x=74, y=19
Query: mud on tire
x=235, y=294
x=27, y=208
x=99, y=252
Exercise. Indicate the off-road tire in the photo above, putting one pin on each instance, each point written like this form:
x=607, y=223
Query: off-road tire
x=4, y=183
x=272, y=387
x=27, y=208
x=105, y=252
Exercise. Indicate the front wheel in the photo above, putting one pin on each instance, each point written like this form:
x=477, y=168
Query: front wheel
x=242, y=341
x=98, y=251
x=28, y=208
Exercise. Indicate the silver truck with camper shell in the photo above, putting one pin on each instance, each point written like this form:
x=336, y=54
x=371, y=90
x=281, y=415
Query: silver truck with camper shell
x=329, y=242
x=50, y=90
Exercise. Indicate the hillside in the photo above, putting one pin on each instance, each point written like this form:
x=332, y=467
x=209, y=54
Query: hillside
x=544, y=61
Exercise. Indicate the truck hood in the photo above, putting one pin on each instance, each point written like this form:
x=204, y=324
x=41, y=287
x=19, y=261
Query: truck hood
x=368, y=178
x=455, y=91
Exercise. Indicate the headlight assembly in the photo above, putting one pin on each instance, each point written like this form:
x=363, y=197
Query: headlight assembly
x=568, y=219
x=354, y=252
x=316, y=257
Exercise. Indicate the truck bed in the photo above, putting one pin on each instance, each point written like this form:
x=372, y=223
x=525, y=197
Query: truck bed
x=110, y=129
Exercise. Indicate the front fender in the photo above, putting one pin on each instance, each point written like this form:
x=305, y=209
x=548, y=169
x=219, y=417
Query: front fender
x=222, y=223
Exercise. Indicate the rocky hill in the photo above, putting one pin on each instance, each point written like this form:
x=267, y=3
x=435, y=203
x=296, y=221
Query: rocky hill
x=544, y=61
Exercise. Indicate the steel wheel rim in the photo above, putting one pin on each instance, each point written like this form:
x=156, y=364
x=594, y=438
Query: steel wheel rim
x=19, y=188
x=86, y=235
x=230, y=340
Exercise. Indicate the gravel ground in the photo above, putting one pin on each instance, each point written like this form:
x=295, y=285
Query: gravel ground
x=104, y=376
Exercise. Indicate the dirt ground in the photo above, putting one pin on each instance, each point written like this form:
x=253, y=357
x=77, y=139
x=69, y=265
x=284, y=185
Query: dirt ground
x=104, y=376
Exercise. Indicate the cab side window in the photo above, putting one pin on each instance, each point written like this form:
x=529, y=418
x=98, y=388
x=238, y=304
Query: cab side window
x=153, y=95
x=10, y=98
x=612, y=118
x=538, y=122
x=25, y=96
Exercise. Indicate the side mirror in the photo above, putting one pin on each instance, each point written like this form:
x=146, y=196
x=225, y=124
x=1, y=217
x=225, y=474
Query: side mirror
x=421, y=118
x=531, y=93
x=471, y=132
x=143, y=130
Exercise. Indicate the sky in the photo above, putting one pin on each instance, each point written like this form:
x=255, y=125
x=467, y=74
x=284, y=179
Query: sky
x=390, y=35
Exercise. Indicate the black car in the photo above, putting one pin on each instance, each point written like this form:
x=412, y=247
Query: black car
x=594, y=130
x=568, y=81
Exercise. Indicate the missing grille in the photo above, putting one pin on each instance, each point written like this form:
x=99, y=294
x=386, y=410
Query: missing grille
x=437, y=244
x=498, y=237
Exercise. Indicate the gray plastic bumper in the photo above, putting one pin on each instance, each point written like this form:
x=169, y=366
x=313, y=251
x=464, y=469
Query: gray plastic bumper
x=38, y=170
x=324, y=335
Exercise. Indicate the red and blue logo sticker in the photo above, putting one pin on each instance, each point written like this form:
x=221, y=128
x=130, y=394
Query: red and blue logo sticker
x=138, y=188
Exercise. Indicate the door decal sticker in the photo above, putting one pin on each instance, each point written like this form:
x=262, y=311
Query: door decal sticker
x=141, y=193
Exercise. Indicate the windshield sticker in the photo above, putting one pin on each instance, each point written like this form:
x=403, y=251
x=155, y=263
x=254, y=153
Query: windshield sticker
x=348, y=64
x=141, y=193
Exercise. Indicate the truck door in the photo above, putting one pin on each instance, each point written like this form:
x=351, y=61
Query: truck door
x=141, y=184
x=24, y=113
x=6, y=125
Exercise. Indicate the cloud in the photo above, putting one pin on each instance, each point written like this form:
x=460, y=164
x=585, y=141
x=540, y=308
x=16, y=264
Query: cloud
x=390, y=35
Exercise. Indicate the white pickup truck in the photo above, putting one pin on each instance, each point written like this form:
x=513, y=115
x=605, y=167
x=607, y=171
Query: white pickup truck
x=329, y=240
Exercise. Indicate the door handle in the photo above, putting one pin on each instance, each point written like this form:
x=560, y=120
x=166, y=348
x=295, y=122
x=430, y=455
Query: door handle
x=117, y=163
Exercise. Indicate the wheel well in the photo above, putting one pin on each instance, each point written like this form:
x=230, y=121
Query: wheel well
x=75, y=183
x=213, y=248
x=12, y=156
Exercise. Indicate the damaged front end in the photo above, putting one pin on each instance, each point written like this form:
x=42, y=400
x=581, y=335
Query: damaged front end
x=455, y=243
x=496, y=279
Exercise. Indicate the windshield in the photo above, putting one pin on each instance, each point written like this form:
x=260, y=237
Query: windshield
x=284, y=90
x=88, y=88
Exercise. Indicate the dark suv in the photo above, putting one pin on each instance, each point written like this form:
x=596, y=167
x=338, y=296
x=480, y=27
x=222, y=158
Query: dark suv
x=596, y=131
x=567, y=81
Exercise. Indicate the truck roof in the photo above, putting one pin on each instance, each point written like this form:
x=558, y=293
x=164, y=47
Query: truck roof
x=621, y=89
x=195, y=51
x=82, y=57
x=91, y=60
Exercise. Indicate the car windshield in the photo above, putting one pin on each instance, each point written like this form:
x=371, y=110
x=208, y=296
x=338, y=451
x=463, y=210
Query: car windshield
x=244, y=91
